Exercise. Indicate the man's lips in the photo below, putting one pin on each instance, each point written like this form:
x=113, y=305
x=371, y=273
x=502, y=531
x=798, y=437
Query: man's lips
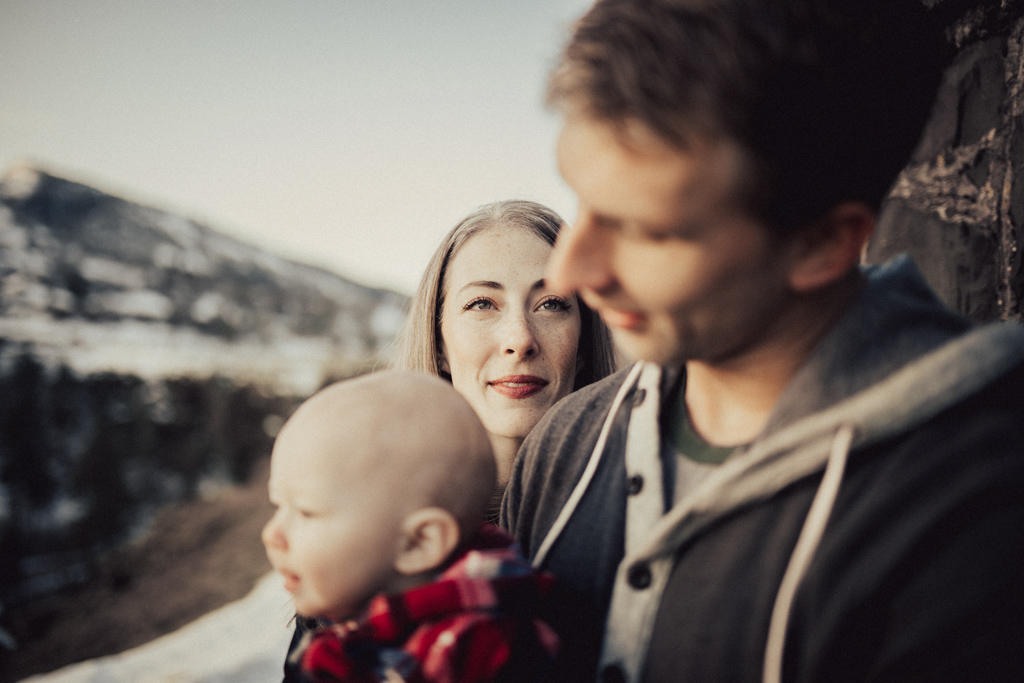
x=518, y=386
x=623, y=320
x=613, y=317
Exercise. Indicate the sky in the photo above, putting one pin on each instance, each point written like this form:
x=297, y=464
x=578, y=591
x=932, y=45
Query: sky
x=348, y=134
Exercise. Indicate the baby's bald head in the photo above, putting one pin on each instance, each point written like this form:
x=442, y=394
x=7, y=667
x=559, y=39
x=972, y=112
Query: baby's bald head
x=407, y=437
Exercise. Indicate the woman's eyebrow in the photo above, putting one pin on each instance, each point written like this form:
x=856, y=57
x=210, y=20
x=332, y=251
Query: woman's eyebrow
x=539, y=284
x=489, y=284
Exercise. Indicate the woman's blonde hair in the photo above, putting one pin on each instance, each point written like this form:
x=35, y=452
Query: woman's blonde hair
x=419, y=343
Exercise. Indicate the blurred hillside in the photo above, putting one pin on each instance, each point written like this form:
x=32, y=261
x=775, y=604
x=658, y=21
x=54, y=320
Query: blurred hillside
x=145, y=359
x=101, y=284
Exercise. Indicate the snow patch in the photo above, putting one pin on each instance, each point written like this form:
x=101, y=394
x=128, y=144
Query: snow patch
x=242, y=642
x=112, y=272
x=138, y=304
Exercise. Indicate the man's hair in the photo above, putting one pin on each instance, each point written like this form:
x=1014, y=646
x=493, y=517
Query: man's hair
x=826, y=97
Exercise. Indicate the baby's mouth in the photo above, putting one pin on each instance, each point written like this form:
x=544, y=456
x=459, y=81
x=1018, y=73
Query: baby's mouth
x=291, y=581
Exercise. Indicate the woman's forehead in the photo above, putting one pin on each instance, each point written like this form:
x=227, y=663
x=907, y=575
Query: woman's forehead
x=497, y=253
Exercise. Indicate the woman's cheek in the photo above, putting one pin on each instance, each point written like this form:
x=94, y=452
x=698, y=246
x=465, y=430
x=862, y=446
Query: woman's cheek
x=563, y=341
x=467, y=346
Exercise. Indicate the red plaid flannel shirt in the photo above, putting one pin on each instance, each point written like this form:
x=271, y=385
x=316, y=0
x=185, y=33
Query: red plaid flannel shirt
x=477, y=622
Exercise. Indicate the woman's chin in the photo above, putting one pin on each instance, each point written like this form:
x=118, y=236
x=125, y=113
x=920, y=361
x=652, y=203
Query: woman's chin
x=516, y=427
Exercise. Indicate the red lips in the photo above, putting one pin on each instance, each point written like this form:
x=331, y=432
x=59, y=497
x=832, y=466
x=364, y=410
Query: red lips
x=518, y=386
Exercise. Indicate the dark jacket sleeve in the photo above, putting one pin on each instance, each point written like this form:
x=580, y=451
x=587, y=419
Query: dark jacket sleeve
x=586, y=555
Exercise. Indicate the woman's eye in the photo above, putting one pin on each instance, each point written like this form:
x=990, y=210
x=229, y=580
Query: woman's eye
x=554, y=304
x=478, y=305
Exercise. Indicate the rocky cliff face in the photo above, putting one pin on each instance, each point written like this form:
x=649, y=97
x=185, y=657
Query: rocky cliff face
x=958, y=207
x=145, y=358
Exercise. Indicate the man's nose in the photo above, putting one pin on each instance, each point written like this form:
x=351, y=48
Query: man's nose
x=580, y=258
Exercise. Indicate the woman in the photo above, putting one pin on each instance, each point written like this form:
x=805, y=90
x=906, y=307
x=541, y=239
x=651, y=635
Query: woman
x=484, y=319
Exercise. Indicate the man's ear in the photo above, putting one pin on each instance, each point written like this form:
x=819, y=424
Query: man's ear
x=429, y=536
x=829, y=249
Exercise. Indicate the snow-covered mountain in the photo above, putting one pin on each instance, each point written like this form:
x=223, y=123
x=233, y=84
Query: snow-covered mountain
x=102, y=284
x=145, y=358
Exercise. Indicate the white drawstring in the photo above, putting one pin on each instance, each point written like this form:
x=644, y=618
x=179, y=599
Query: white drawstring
x=588, y=473
x=806, y=546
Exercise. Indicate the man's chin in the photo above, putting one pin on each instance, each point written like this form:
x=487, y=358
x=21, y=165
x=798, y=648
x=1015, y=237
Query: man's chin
x=633, y=346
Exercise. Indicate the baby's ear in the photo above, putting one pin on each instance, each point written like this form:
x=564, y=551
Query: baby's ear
x=429, y=536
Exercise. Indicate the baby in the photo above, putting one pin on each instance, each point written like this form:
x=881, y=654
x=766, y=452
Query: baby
x=380, y=485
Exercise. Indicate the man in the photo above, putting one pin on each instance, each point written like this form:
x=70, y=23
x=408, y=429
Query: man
x=817, y=472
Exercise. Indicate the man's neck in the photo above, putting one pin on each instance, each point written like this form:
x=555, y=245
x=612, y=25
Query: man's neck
x=729, y=401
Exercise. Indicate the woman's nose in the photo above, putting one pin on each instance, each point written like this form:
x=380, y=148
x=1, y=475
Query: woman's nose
x=518, y=338
x=273, y=533
x=580, y=259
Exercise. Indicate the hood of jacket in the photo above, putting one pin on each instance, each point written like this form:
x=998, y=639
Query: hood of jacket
x=895, y=359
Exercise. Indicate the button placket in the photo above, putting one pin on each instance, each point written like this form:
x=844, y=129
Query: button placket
x=639, y=576
x=634, y=599
x=613, y=673
x=634, y=484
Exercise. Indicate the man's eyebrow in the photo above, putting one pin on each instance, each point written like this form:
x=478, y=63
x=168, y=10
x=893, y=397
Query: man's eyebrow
x=606, y=220
x=488, y=284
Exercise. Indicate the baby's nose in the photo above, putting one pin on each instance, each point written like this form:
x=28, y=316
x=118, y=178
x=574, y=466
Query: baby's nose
x=273, y=534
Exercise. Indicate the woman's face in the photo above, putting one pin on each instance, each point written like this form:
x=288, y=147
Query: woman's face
x=507, y=339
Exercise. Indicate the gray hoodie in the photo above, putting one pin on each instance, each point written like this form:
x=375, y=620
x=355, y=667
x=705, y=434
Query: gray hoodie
x=714, y=588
